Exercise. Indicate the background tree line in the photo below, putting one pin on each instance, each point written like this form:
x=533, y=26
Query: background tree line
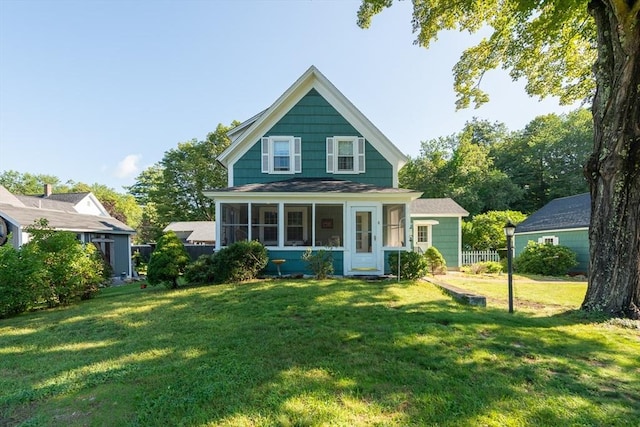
x=484, y=167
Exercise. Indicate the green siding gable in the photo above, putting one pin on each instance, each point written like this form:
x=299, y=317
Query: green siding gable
x=576, y=240
x=313, y=119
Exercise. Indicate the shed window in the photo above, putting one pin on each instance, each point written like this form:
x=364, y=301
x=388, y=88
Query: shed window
x=549, y=240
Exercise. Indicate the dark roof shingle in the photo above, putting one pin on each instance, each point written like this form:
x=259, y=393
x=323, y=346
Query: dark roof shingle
x=441, y=206
x=64, y=220
x=561, y=213
x=312, y=185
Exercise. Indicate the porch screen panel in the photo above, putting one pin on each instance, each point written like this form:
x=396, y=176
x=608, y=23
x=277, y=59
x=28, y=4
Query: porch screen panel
x=393, y=225
x=297, y=231
x=328, y=225
x=235, y=222
x=264, y=223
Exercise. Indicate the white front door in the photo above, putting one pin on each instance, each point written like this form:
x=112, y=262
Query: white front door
x=422, y=234
x=363, y=241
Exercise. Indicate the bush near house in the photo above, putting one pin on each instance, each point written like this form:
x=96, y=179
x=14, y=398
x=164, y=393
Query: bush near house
x=413, y=265
x=319, y=262
x=545, y=259
x=239, y=261
x=167, y=261
x=53, y=268
x=435, y=261
x=200, y=271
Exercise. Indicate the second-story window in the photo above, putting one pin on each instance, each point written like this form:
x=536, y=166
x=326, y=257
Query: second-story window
x=281, y=154
x=345, y=154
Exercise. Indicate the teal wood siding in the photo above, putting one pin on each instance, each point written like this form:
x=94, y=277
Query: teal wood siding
x=445, y=238
x=121, y=254
x=313, y=119
x=576, y=240
x=295, y=265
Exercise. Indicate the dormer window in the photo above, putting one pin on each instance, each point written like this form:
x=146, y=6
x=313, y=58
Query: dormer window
x=345, y=154
x=281, y=155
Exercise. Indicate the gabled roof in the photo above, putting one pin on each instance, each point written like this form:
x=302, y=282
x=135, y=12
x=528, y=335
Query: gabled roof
x=436, y=207
x=563, y=213
x=67, y=197
x=46, y=203
x=199, y=231
x=247, y=133
x=60, y=220
x=25, y=210
x=7, y=197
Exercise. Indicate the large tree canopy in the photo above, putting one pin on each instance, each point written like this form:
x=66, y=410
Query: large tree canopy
x=546, y=159
x=555, y=45
x=172, y=189
x=459, y=166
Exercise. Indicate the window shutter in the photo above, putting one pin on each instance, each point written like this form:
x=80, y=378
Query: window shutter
x=361, y=160
x=297, y=155
x=329, y=155
x=265, y=155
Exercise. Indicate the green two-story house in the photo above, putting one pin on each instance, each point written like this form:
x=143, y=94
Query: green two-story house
x=312, y=171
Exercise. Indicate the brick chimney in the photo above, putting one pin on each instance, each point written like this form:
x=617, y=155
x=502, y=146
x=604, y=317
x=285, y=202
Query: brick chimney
x=48, y=190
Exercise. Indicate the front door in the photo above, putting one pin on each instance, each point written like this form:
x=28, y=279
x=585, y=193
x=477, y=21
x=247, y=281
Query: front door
x=363, y=239
x=422, y=234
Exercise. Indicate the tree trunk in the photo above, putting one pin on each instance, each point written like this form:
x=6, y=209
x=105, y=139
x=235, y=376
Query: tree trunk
x=613, y=170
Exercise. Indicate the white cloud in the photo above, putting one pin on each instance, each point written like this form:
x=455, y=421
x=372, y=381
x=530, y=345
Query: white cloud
x=128, y=167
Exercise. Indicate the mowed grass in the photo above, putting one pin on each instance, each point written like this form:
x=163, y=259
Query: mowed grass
x=531, y=294
x=306, y=353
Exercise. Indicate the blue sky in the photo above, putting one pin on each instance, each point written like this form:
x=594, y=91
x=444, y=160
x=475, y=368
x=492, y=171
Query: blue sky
x=96, y=91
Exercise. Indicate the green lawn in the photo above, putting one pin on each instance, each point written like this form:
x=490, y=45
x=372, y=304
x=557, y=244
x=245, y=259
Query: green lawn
x=334, y=352
x=531, y=294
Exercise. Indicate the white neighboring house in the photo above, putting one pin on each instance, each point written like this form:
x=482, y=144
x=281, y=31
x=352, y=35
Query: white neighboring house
x=81, y=213
x=194, y=232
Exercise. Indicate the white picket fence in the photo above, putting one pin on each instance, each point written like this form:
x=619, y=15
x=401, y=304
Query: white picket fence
x=472, y=257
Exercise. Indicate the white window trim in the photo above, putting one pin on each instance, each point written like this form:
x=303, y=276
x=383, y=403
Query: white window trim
x=554, y=239
x=305, y=228
x=359, y=162
x=262, y=211
x=267, y=154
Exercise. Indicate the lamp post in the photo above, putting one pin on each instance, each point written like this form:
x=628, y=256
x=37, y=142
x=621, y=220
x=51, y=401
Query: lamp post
x=509, y=231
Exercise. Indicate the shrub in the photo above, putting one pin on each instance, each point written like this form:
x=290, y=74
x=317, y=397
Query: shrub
x=413, y=265
x=320, y=262
x=69, y=269
x=435, y=261
x=52, y=268
x=200, y=271
x=239, y=261
x=545, y=259
x=16, y=278
x=167, y=261
x=489, y=267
